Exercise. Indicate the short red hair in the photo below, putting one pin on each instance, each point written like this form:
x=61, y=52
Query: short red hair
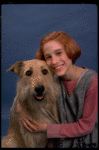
x=71, y=48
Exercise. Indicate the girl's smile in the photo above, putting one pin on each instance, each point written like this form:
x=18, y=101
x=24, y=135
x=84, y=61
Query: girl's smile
x=58, y=68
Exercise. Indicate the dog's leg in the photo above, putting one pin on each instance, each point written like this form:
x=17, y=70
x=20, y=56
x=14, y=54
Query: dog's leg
x=9, y=142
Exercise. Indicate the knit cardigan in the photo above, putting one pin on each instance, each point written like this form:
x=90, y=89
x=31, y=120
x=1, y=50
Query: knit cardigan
x=70, y=110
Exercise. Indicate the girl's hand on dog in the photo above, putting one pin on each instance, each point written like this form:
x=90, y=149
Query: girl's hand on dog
x=28, y=123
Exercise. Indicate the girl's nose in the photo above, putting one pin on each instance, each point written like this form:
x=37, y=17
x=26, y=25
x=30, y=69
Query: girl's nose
x=54, y=60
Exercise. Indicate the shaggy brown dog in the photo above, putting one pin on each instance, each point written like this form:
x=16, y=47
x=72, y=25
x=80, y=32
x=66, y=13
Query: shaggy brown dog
x=37, y=93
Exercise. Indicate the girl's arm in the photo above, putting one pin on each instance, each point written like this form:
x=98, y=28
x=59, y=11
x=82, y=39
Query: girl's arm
x=84, y=125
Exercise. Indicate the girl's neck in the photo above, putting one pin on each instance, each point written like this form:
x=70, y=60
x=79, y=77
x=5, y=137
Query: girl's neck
x=73, y=73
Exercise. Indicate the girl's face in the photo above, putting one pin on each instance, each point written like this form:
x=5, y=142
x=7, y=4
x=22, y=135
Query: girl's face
x=56, y=58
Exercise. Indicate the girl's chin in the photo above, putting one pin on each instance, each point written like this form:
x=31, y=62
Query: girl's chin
x=59, y=74
x=60, y=71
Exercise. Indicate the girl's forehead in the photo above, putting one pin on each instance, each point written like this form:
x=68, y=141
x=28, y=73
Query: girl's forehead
x=52, y=46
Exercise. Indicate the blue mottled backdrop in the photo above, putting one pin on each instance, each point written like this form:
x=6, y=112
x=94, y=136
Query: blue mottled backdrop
x=23, y=26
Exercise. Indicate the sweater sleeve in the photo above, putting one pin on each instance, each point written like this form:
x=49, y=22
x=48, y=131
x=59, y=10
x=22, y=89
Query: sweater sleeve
x=84, y=125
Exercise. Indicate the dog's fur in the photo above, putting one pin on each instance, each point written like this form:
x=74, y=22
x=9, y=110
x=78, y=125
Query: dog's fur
x=37, y=92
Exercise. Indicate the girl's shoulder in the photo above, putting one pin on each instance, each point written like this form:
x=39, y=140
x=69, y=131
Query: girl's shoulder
x=89, y=78
x=93, y=71
x=90, y=70
x=92, y=74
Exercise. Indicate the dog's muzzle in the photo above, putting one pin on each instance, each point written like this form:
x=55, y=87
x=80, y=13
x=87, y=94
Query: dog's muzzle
x=39, y=90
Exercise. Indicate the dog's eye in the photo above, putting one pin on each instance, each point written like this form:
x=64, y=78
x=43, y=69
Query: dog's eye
x=44, y=71
x=28, y=72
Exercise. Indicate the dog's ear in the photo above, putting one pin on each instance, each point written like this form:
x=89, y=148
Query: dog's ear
x=16, y=67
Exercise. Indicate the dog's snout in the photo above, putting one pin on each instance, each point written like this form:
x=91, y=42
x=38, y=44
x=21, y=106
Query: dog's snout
x=39, y=89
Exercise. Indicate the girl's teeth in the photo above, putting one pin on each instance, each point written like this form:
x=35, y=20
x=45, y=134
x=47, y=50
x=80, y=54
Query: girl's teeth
x=58, y=67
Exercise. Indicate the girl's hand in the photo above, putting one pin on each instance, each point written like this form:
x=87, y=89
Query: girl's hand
x=30, y=124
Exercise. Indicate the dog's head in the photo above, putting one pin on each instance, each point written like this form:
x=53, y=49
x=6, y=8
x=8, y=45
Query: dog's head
x=35, y=78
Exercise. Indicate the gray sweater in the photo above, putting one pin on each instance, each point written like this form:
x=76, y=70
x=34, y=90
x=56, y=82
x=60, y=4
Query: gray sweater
x=70, y=110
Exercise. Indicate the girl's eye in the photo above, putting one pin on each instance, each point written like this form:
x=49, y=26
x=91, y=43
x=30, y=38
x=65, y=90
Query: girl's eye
x=58, y=53
x=48, y=57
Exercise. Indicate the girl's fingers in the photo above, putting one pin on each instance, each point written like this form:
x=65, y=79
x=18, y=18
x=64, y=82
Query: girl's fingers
x=26, y=126
x=34, y=122
x=31, y=125
x=31, y=122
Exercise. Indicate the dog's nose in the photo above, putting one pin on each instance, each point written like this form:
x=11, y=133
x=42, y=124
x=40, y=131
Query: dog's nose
x=39, y=89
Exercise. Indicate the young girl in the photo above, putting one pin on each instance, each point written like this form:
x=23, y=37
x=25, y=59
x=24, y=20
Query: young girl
x=78, y=102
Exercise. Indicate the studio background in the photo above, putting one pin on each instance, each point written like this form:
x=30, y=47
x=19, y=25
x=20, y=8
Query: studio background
x=23, y=26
